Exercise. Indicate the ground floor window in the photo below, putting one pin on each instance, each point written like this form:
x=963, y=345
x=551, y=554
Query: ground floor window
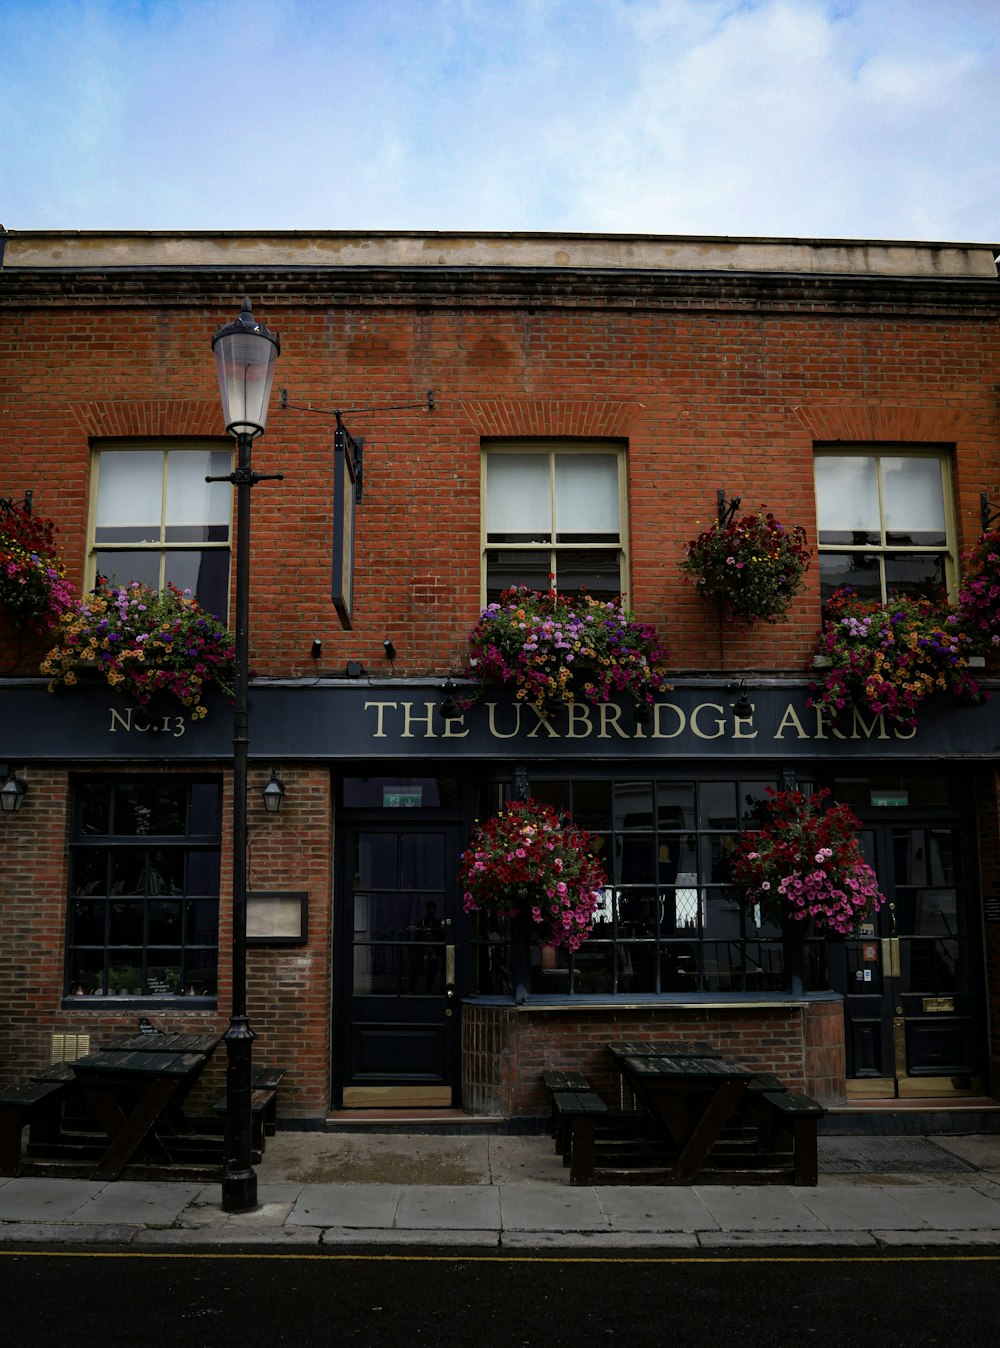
x=143, y=917
x=668, y=922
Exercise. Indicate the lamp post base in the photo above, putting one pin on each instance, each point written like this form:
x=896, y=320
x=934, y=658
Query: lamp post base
x=239, y=1191
x=239, y=1180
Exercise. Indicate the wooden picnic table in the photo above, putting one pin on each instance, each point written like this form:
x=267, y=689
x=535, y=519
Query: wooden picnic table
x=691, y=1098
x=132, y=1092
x=163, y=1043
x=660, y=1048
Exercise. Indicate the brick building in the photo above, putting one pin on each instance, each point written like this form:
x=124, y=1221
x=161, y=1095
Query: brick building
x=641, y=377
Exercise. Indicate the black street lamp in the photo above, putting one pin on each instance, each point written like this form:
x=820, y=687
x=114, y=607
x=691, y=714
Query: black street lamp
x=245, y=355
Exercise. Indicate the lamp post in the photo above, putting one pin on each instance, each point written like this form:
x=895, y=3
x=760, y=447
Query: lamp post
x=245, y=355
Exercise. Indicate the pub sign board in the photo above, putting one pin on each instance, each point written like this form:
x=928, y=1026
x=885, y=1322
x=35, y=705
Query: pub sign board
x=346, y=719
x=348, y=462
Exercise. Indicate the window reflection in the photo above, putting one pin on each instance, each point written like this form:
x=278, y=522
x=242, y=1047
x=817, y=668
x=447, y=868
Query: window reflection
x=666, y=921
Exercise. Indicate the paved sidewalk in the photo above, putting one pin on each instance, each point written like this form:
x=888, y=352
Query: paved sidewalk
x=336, y=1190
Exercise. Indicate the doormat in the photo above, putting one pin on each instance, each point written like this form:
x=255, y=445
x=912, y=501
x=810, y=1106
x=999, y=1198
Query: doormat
x=886, y=1156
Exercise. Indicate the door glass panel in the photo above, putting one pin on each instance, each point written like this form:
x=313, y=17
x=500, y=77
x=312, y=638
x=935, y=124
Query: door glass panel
x=422, y=861
x=928, y=966
x=376, y=860
x=399, y=933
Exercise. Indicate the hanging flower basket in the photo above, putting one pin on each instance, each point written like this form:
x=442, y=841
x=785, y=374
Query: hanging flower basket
x=144, y=643
x=531, y=861
x=34, y=591
x=978, y=608
x=751, y=566
x=554, y=650
x=888, y=659
x=801, y=862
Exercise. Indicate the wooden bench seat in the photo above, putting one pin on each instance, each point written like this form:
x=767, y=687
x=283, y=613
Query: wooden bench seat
x=35, y=1103
x=577, y=1113
x=263, y=1105
x=765, y=1081
x=556, y=1080
x=788, y=1117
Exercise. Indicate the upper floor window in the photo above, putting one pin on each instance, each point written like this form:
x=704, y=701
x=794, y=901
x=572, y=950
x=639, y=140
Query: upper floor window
x=156, y=519
x=884, y=523
x=554, y=511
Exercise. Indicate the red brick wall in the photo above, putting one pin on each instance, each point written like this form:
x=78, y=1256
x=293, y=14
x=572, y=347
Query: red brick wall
x=506, y=1049
x=703, y=400
x=288, y=987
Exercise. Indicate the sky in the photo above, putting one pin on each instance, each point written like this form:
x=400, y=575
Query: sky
x=783, y=118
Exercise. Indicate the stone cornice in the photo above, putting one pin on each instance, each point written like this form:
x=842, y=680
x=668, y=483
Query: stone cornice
x=502, y=287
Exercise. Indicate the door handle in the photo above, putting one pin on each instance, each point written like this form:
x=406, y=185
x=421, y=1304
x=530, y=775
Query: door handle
x=890, y=956
x=449, y=969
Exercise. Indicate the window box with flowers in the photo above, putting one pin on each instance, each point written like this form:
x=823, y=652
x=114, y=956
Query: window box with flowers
x=144, y=643
x=553, y=650
x=529, y=861
x=889, y=658
x=800, y=861
x=34, y=592
x=752, y=566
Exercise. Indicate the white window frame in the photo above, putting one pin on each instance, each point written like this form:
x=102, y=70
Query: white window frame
x=939, y=454
x=555, y=448
x=160, y=546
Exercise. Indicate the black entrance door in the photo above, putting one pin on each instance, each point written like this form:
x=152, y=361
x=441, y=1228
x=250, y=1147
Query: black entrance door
x=912, y=1007
x=399, y=966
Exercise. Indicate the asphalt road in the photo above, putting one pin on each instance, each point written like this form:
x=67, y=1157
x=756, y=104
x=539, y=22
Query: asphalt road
x=219, y=1299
